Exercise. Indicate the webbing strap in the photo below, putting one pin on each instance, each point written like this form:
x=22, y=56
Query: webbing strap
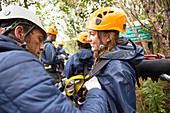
x=87, y=77
x=98, y=67
x=85, y=69
x=77, y=77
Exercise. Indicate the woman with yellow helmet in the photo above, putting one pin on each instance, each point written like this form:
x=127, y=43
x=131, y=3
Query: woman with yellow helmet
x=118, y=76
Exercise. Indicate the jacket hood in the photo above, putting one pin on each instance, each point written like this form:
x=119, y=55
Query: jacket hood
x=7, y=44
x=84, y=53
x=59, y=48
x=47, y=41
x=126, y=50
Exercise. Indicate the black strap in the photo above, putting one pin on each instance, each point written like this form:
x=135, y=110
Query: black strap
x=85, y=69
x=98, y=67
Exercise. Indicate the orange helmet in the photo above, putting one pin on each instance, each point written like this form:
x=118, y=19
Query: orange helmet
x=52, y=30
x=107, y=19
x=61, y=43
x=82, y=37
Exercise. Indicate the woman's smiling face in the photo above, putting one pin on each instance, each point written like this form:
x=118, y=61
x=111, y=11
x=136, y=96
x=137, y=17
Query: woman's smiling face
x=93, y=39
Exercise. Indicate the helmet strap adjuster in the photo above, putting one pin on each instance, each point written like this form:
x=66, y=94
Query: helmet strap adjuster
x=101, y=47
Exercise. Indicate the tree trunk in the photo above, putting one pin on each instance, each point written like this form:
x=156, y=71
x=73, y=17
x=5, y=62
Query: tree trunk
x=149, y=10
x=167, y=43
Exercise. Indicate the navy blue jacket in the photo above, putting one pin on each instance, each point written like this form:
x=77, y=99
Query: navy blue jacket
x=118, y=76
x=50, y=55
x=25, y=86
x=74, y=65
x=60, y=50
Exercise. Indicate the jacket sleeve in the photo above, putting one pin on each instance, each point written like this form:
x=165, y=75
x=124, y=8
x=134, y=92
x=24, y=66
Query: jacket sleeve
x=31, y=90
x=64, y=52
x=51, y=54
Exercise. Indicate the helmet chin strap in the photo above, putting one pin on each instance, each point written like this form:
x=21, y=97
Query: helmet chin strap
x=23, y=43
x=101, y=47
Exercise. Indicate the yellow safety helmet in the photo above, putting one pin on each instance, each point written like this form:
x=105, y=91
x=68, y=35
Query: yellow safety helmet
x=108, y=18
x=52, y=30
x=61, y=43
x=82, y=37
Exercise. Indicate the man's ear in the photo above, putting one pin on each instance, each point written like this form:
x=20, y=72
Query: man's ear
x=19, y=32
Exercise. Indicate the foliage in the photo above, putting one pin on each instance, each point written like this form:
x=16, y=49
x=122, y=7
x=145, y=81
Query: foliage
x=70, y=16
x=153, y=97
x=70, y=47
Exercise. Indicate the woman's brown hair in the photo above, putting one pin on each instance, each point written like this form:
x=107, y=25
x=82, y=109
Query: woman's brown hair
x=113, y=35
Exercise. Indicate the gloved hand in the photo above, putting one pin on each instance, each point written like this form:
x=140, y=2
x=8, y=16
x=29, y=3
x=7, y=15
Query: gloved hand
x=92, y=83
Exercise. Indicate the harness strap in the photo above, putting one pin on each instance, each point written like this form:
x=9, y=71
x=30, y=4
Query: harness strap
x=98, y=67
x=83, y=79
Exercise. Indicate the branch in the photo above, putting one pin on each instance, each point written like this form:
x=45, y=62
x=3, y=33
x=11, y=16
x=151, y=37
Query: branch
x=0, y=6
x=25, y=3
x=145, y=47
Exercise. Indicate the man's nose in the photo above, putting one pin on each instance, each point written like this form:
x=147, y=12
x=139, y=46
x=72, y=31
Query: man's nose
x=42, y=47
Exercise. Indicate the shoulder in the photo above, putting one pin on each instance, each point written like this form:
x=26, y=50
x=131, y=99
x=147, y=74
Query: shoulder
x=118, y=65
x=12, y=58
x=72, y=57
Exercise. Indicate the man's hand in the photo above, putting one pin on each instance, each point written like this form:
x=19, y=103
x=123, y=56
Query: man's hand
x=63, y=56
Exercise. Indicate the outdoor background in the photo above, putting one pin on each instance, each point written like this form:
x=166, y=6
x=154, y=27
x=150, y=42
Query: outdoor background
x=148, y=26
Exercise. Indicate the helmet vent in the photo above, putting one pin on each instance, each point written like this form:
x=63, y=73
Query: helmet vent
x=104, y=13
x=111, y=11
x=7, y=12
x=124, y=26
x=100, y=16
x=98, y=21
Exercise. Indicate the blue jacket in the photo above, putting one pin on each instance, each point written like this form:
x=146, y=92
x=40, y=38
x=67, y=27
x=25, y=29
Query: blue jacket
x=50, y=55
x=60, y=50
x=74, y=65
x=25, y=86
x=118, y=76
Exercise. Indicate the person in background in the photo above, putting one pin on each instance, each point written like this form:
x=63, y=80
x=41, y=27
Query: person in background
x=25, y=86
x=118, y=76
x=60, y=51
x=50, y=57
x=83, y=58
